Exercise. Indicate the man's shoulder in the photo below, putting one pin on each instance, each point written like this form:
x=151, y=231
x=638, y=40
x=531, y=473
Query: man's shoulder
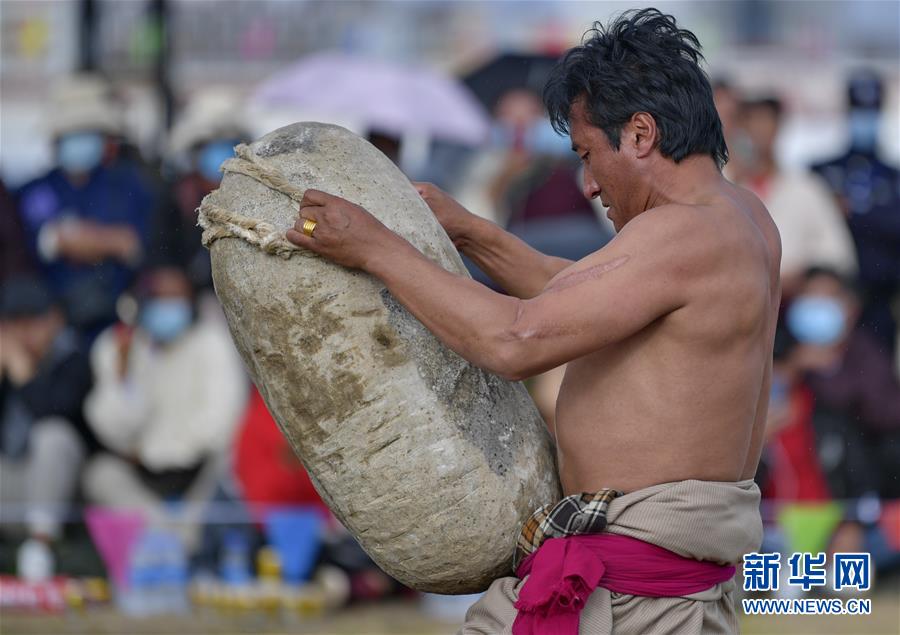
x=708, y=237
x=667, y=220
x=671, y=227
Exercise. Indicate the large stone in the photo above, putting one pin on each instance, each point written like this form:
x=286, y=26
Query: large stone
x=430, y=462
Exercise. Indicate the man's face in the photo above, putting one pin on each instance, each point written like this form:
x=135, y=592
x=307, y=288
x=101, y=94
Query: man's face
x=606, y=169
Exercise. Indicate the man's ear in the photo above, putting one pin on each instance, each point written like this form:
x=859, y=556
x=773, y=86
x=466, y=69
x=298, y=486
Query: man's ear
x=641, y=133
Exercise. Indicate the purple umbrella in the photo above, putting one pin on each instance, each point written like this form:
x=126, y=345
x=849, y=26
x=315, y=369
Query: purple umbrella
x=389, y=98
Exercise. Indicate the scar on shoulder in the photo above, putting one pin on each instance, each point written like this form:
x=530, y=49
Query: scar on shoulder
x=589, y=273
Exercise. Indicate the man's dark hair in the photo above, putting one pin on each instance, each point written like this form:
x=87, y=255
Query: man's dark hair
x=641, y=62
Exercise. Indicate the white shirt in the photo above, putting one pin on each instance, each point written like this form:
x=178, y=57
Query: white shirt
x=178, y=404
x=813, y=229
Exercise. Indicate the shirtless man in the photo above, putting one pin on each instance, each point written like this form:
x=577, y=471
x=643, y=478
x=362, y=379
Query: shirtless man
x=667, y=330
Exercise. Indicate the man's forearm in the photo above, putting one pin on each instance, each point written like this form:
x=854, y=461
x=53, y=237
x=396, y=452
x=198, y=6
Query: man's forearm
x=521, y=270
x=465, y=315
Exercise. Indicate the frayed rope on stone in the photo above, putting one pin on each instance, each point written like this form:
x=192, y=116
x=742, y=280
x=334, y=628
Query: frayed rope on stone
x=218, y=222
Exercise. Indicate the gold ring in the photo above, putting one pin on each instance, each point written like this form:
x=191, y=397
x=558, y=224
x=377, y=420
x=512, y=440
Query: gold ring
x=309, y=226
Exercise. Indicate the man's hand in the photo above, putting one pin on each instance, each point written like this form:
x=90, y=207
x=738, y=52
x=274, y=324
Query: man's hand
x=345, y=233
x=452, y=216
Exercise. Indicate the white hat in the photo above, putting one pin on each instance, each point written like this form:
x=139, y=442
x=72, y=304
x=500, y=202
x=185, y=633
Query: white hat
x=212, y=113
x=84, y=102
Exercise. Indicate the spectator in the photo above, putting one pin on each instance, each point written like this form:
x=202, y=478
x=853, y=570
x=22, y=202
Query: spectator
x=856, y=390
x=789, y=469
x=203, y=137
x=728, y=105
x=168, y=395
x=43, y=436
x=833, y=433
x=813, y=231
x=86, y=220
x=868, y=190
x=527, y=181
x=14, y=257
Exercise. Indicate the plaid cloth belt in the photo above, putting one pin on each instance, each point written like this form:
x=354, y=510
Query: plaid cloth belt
x=576, y=514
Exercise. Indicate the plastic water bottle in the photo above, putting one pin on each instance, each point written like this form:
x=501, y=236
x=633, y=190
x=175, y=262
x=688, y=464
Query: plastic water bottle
x=234, y=559
x=157, y=576
x=172, y=575
x=34, y=561
x=136, y=599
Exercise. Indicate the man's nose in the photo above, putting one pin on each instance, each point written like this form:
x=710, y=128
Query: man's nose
x=590, y=188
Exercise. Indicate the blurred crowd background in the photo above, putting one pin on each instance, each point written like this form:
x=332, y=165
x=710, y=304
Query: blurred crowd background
x=132, y=444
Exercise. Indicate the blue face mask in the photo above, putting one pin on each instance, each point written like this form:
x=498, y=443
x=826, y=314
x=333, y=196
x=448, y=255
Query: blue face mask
x=863, y=126
x=502, y=136
x=538, y=138
x=212, y=155
x=80, y=152
x=543, y=139
x=816, y=320
x=166, y=318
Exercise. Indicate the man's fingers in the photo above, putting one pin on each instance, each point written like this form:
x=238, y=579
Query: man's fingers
x=423, y=187
x=315, y=197
x=300, y=239
x=310, y=211
x=305, y=215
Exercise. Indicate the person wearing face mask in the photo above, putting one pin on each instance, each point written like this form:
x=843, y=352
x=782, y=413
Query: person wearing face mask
x=856, y=389
x=204, y=136
x=868, y=190
x=856, y=408
x=86, y=221
x=525, y=180
x=169, y=391
x=813, y=230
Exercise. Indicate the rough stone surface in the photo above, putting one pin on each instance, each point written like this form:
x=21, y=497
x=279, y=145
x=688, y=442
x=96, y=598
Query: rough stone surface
x=432, y=463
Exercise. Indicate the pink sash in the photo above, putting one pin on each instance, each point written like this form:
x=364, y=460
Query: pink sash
x=565, y=571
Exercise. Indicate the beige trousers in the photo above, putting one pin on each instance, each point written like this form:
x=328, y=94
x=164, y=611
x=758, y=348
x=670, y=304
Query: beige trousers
x=705, y=520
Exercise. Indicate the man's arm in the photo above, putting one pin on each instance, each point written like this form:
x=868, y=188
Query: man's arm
x=638, y=277
x=507, y=260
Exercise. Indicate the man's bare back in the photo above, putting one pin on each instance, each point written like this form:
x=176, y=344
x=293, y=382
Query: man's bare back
x=686, y=396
